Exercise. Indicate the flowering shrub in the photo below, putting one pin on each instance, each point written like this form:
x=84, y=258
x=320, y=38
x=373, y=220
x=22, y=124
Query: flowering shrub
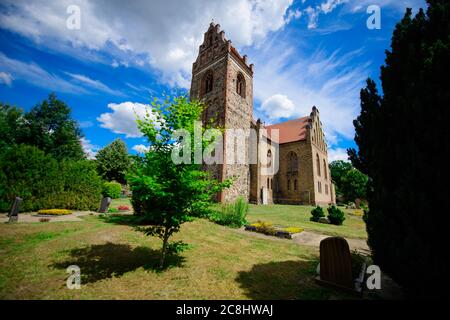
x=123, y=208
x=55, y=212
x=293, y=230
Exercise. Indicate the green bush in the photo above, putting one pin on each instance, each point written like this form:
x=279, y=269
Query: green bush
x=335, y=215
x=232, y=215
x=43, y=183
x=317, y=213
x=112, y=189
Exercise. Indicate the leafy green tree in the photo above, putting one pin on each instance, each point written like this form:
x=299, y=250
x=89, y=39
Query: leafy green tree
x=354, y=185
x=11, y=125
x=350, y=182
x=113, y=161
x=403, y=153
x=338, y=169
x=49, y=127
x=166, y=193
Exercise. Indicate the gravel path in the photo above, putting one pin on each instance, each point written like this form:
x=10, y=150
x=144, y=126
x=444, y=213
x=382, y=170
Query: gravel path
x=31, y=217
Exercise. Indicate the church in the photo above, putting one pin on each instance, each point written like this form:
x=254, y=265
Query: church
x=223, y=80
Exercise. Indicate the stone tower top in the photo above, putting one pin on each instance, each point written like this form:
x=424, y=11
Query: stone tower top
x=215, y=44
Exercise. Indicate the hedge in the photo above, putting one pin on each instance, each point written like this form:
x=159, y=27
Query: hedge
x=44, y=183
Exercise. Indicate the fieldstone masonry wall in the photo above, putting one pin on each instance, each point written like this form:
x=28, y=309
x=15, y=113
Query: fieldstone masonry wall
x=230, y=106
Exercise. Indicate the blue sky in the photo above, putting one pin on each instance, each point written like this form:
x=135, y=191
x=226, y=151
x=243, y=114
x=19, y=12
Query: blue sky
x=305, y=53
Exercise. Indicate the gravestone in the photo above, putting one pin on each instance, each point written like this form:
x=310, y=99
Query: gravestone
x=14, y=214
x=336, y=263
x=105, y=205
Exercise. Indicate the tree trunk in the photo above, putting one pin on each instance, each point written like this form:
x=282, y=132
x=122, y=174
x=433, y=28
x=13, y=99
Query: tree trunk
x=164, y=248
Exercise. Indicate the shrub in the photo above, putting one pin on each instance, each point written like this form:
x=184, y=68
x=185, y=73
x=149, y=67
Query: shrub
x=232, y=215
x=112, y=189
x=113, y=210
x=317, y=213
x=265, y=228
x=42, y=182
x=54, y=212
x=335, y=215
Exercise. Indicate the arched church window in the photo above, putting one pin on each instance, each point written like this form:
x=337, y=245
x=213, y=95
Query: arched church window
x=295, y=185
x=240, y=85
x=269, y=158
x=292, y=163
x=208, y=82
x=325, y=171
x=318, y=164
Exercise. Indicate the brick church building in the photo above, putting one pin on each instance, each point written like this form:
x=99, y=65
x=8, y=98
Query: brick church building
x=223, y=79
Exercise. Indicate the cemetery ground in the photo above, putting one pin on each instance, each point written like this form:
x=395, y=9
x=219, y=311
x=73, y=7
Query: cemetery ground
x=118, y=262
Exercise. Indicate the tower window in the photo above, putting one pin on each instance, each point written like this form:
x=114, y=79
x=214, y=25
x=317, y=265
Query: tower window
x=208, y=82
x=240, y=85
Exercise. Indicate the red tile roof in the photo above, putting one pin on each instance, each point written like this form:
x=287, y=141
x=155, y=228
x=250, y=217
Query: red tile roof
x=290, y=131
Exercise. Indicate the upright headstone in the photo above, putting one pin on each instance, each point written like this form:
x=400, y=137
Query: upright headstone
x=336, y=263
x=105, y=205
x=14, y=213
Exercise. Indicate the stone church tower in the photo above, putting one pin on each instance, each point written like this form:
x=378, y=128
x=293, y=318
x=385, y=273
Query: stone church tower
x=223, y=79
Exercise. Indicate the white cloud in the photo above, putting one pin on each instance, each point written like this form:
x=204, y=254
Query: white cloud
x=123, y=117
x=165, y=33
x=95, y=84
x=278, y=106
x=6, y=78
x=89, y=149
x=140, y=148
x=337, y=154
x=330, y=81
x=34, y=74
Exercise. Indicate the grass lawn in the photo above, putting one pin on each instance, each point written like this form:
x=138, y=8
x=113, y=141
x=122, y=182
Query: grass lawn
x=118, y=262
x=298, y=216
x=295, y=216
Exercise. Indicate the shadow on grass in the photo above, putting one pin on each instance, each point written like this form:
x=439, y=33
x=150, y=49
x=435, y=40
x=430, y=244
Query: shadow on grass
x=284, y=280
x=124, y=219
x=103, y=261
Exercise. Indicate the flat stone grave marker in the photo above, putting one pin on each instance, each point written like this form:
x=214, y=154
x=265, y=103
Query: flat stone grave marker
x=336, y=264
x=14, y=213
x=105, y=205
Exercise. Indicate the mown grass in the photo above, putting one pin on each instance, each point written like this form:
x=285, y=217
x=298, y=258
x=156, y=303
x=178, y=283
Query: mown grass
x=295, y=216
x=118, y=262
x=298, y=216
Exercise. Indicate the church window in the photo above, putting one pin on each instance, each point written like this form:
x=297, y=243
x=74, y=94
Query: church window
x=292, y=163
x=318, y=164
x=319, y=187
x=268, y=183
x=295, y=185
x=325, y=171
x=269, y=158
x=289, y=184
x=240, y=85
x=271, y=184
x=326, y=189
